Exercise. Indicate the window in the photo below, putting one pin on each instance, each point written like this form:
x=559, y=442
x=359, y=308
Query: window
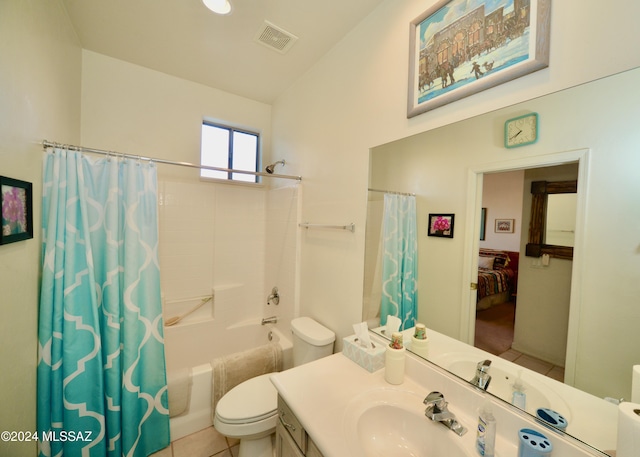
x=227, y=147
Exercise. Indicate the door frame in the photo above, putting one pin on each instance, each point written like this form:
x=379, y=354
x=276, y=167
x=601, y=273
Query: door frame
x=475, y=182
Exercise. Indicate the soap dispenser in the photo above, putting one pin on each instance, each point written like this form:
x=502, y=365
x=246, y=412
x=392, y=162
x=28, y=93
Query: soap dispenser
x=394, y=358
x=519, y=397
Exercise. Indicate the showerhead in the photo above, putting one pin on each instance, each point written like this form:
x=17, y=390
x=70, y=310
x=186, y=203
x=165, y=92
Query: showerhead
x=270, y=168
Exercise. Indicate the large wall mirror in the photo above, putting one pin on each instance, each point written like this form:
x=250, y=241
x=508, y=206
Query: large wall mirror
x=552, y=225
x=603, y=344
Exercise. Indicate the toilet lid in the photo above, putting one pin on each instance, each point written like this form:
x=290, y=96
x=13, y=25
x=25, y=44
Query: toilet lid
x=250, y=401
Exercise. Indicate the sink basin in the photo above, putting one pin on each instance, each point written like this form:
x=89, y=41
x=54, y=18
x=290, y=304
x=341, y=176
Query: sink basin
x=539, y=393
x=391, y=423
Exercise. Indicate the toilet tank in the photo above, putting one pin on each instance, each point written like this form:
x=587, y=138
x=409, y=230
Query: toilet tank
x=311, y=340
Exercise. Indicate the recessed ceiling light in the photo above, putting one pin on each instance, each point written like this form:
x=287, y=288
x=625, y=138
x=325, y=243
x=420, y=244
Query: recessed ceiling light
x=218, y=6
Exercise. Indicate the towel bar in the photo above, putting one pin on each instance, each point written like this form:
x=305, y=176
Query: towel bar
x=351, y=227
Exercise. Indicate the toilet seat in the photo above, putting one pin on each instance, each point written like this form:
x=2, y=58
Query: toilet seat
x=249, y=409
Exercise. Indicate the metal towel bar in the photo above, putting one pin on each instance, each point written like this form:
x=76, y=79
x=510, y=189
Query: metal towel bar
x=351, y=227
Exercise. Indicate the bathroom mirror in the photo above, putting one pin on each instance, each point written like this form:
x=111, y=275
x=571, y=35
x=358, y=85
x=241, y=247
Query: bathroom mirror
x=605, y=262
x=561, y=227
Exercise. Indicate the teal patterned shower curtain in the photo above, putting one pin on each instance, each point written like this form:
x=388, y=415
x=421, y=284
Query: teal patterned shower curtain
x=399, y=260
x=102, y=387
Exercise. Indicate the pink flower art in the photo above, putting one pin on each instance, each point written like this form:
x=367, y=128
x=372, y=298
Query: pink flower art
x=441, y=224
x=13, y=204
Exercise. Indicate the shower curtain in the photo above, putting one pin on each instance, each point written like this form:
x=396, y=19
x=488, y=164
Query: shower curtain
x=101, y=371
x=399, y=260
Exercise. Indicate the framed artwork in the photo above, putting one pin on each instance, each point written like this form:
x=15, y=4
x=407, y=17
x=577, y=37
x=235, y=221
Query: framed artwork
x=461, y=47
x=441, y=225
x=16, y=207
x=483, y=223
x=505, y=225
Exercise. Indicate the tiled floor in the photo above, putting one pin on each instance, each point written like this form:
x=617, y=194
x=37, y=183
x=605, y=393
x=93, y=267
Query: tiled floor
x=205, y=443
x=540, y=366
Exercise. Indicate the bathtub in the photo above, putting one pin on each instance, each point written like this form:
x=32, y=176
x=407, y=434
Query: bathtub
x=195, y=345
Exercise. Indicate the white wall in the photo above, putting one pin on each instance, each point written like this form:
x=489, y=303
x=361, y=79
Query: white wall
x=502, y=196
x=40, y=62
x=212, y=234
x=355, y=99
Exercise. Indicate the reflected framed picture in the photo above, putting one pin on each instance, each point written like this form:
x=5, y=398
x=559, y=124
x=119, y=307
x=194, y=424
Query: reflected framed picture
x=16, y=207
x=483, y=224
x=458, y=48
x=441, y=225
x=505, y=225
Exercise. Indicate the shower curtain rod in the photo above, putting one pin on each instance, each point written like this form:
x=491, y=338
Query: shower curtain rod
x=392, y=192
x=48, y=144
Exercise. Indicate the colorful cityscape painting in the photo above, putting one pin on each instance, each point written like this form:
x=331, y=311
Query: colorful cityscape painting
x=460, y=47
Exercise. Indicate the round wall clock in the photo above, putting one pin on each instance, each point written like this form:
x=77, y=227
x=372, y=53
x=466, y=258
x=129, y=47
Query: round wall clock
x=521, y=130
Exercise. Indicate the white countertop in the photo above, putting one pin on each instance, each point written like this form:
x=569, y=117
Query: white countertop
x=316, y=394
x=319, y=394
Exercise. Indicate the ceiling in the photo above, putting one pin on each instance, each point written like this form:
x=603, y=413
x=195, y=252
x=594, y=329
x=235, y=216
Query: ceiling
x=184, y=39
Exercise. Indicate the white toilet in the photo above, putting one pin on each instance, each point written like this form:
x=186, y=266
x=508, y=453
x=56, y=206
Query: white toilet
x=248, y=412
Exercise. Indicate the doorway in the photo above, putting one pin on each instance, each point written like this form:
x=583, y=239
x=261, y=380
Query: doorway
x=475, y=205
x=499, y=255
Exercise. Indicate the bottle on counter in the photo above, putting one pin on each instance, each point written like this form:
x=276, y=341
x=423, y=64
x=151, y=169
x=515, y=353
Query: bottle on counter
x=394, y=359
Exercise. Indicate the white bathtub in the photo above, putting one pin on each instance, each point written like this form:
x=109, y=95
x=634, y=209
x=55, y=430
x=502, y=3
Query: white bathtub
x=195, y=345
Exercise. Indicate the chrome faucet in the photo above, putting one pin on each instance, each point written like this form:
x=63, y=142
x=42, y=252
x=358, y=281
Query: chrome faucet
x=437, y=411
x=482, y=377
x=270, y=320
x=274, y=297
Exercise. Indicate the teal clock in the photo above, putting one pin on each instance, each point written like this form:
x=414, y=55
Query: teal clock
x=521, y=130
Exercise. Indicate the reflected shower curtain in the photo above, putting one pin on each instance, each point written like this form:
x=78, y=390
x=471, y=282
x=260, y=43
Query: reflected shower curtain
x=101, y=370
x=399, y=260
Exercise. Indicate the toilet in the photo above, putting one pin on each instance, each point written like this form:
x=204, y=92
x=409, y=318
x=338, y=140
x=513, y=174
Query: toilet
x=248, y=412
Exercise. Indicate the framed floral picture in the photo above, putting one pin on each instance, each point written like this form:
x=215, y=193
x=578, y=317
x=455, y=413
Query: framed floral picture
x=441, y=225
x=16, y=207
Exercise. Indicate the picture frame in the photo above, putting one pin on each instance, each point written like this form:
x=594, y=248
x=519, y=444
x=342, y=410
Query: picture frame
x=505, y=225
x=441, y=225
x=483, y=223
x=458, y=48
x=16, y=210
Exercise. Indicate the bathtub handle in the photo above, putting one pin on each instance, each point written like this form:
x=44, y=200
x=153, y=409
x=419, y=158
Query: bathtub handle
x=285, y=423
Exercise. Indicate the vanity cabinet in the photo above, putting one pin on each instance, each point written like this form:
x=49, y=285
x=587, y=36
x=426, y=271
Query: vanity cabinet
x=291, y=438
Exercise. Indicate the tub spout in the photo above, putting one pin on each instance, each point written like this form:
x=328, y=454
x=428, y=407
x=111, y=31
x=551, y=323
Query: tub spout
x=269, y=320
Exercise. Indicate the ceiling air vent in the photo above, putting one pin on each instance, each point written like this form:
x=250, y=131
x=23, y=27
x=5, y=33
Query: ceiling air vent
x=275, y=38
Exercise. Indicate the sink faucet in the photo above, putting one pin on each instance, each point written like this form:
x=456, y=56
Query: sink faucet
x=437, y=411
x=482, y=377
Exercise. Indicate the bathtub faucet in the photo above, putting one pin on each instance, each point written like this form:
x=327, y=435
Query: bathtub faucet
x=270, y=320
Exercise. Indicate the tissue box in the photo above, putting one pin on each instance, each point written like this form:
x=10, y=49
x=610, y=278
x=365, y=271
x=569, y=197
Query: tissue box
x=371, y=359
